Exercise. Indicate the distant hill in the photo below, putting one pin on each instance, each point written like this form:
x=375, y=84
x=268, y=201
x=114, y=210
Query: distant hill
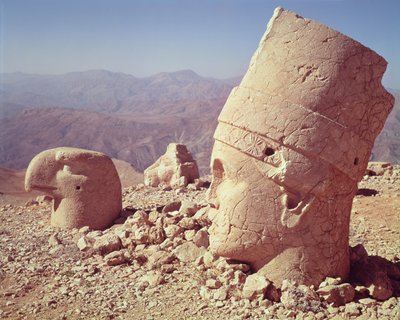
x=139, y=141
x=108, y=92
x=129, y=118
x=387, y=145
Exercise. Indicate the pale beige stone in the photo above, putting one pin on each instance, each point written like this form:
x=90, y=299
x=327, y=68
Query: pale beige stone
x=292, y=142
x=188, y=252
x=256, y=285
x=220, y=294
x=175, y=168
x=160, y=258
x=115, y=258
x=107, y=243
x=213, y=283
x=173, y=231
x=84, y=185
x=83, y=244
x=188, y=223
x=208, y=259
x=153, y=278
x=189, y=234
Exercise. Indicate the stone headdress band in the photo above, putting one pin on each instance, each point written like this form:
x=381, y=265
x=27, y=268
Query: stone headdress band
x=304, y=131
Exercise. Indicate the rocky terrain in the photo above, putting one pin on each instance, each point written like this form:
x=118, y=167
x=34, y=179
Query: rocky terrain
x=153, y=263
x=128, y=118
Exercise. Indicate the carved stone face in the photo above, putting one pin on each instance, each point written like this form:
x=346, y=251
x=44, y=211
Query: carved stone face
x=293, y=140
x=262, y=214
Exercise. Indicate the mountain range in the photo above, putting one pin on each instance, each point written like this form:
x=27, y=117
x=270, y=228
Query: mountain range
x=126, y=117
x=181, y=92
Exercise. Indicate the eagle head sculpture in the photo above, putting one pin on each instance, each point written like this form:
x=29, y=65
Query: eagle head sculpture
x=84, y=185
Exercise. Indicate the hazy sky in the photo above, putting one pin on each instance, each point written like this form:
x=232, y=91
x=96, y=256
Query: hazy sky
x=142, y=37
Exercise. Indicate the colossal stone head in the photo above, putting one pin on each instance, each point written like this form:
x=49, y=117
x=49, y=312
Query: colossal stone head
x=293, y=140
x=84, y=185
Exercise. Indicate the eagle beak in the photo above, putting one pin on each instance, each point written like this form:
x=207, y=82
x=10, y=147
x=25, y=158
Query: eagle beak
x=40, y=173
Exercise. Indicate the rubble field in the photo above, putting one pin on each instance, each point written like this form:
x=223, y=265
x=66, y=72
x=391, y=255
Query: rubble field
x=153, y=263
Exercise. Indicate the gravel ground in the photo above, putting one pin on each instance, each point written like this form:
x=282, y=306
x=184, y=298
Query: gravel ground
x=44, y=275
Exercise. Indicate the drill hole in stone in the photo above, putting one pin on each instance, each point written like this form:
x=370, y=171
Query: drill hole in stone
x=292, y=202
x=218, y=169
x=78, y=188
x=356, y=161
x=269, y=152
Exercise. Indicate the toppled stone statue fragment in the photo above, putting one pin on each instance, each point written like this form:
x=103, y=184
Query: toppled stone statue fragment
x=84, y=185
x=292, y=142
x=174, y=168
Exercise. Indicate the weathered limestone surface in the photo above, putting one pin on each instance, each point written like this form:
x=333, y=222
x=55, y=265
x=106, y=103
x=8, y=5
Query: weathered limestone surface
x=174, y=168
x=292, y=142
x=84, y=185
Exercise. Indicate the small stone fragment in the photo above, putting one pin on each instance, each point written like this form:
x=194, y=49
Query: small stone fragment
x=115, y=258
x=205, y=293
x=160, y=258
x=172, y=206
x=220, y=294
x=299, y=297
x=188, y=223
x=352, y=310
x=167, y=268
x=338, y=295
x=330, y=281
x=201, y=239
x=172, y=231
x=53, y=240
x=107, y=243
x=188, y=208
x=202, y=217
x=381, y=289
x=188, y=252
x=367, y=302
x=256, y=285
x=83, y=244
x=189, y=234
x=153, y=279
x=213, y=284
x=209, y=259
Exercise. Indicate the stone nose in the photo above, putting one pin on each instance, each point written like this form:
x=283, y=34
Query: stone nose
x=211, y=195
